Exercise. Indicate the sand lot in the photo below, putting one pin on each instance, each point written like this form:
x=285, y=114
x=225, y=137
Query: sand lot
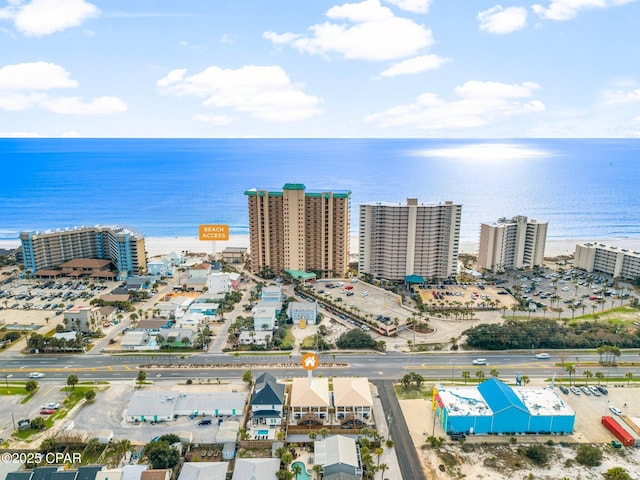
x=483, y=457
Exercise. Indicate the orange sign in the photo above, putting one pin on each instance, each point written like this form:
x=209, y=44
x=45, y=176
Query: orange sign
x=310, y=361
x=214, y=232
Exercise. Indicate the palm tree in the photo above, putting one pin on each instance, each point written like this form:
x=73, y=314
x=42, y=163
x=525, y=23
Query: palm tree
x=378, y=452
x=383, y=468
x=479, y=374
x=599, y=376
x=297, y=470
x=587, y=375
x=570, y=369
x=525, y=379
x=317, y=468
x=466, y=374
x=494, y=373
x=628, y=376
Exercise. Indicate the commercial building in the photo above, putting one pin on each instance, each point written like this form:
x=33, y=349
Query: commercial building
x=493, y=407
x=396, y=241
x=299, y=229
x=510, y=244
x=610, y=260
x=51, y=249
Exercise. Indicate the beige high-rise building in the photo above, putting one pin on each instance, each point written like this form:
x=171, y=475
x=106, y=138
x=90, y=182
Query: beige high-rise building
x=510, y=244
x=414, y=239
x=299, y=229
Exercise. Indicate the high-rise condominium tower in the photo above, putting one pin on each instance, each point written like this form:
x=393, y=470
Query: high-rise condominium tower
x=299, y=229
x=414, y=239
x=511, y=244
x=50, y=249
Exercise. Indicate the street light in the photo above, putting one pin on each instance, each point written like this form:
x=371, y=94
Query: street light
x=7, y=379
x=453, y=364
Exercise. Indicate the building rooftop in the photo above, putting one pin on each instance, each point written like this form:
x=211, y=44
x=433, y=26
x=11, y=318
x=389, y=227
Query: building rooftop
x=464, y=401
x=336, y=449
x=350, y=391
x=314, y=395
x=543, y=401
x=204, y=471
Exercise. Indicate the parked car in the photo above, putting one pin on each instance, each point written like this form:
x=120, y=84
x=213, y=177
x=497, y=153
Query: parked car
x=603, y=390
x=594, y=390
x=46, y=411
x=564, y=390
x=53, y=405
x=615, y=410
x=575, y=390
x=585, y=390
x=205, y=421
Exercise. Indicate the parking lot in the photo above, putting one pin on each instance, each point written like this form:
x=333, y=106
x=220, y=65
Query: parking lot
x=466, y=296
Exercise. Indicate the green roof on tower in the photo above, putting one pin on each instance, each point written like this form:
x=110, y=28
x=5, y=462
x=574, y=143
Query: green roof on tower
x=294, y=186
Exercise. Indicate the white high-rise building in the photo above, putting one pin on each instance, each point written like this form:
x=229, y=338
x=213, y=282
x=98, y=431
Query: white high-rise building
x=510, y=244
x=396, y=241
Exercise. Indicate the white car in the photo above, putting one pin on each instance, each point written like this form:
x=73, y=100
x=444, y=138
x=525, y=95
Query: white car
x=364, y=294
x=479, y=361
x=36, y=375
x=615, y=410
x=52, y=406
x=543, y=356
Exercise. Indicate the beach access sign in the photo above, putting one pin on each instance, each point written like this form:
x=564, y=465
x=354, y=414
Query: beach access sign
x=214, y=232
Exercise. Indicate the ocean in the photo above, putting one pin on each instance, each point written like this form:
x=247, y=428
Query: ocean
x=585, y=189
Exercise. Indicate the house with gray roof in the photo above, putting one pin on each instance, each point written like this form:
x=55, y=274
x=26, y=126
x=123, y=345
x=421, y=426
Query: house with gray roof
x=256, y=468
x=204, y=471
x=307, y=311
x=338, y=455
x=267, y=401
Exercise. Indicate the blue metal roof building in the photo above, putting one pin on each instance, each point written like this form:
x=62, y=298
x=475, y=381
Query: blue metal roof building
x=493, y=407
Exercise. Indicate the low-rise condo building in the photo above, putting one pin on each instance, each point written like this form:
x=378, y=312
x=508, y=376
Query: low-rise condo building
x=607, y=259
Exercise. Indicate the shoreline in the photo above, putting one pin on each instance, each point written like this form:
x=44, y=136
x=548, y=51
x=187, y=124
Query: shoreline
x=159, y=246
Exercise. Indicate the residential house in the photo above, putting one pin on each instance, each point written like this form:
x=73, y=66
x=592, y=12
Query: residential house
x=256, y=469
x=254, y=337
x=339, y=456
x=156, y=474
x=193, y=321
x=303, y=313
x=264, y=316
x=178, y=336
x=271, y=294
x=204, y=471
x=267, y=401
x=207, y=309
x=352, y=401
x=135, y=340
x=160, y=268
x=310, y=401
x=197, y=279
x=219, y=283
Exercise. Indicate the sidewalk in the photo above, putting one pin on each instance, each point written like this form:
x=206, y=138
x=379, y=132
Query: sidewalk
x=389, y=456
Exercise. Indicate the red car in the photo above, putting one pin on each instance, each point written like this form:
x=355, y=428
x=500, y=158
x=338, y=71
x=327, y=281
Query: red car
x=46, y=411
x=349, y=287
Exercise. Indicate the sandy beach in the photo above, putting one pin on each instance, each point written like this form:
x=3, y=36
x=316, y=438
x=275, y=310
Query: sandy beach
x=158, y=246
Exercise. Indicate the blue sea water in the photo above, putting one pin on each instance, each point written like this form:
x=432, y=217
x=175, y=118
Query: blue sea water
x=585, y=189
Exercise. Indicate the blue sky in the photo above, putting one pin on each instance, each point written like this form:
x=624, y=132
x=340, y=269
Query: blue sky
x=316, y=68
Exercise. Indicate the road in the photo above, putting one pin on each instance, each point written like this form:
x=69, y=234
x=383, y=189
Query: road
x=409, y=461
x=442, y=366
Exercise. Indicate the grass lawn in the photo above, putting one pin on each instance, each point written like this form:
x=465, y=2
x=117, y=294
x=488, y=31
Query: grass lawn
x=289, y=341
x=14, y=389
x=309, y=342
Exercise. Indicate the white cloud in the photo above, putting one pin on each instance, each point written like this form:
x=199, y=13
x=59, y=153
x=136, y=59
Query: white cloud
x=264, y=92
x=44, y=17
x=35, y=76
x=71, y=134
x=621, y=97
x=418, y=64
x=416, y=6
x=227, y=38
x=568, y=9
x=502, y=20
x=366, y=31
x=214, y=120
x=77, y=106
x=480, y=103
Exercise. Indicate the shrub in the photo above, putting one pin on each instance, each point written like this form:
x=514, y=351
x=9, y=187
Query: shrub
x=538, y=454
x=589, y=456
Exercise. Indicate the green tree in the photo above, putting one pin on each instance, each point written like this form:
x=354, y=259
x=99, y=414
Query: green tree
x=247, y=378
x=90, y=395
x=570, y=369
x=356, y=339
x=466, y=374
x=383, y=468
x=599, y=376
x=161, y=454
x=525, y=379
x=31, y=386
x=494, y=372
x=479, y=374
x=142, y=376
x=587, y=375
x=48, y=445
x=72, y=381
x=297, y=470
x=628, y=376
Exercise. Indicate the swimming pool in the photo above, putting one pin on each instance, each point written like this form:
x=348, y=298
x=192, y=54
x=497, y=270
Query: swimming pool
x=263, y=432
x=303, y=475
